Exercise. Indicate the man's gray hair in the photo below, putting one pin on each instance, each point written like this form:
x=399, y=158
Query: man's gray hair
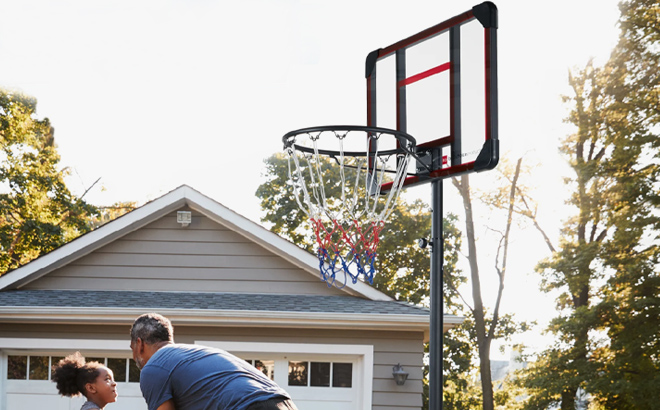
x=152, y=328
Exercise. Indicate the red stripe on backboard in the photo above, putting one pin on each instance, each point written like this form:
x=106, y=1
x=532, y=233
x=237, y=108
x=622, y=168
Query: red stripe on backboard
x=425, y=74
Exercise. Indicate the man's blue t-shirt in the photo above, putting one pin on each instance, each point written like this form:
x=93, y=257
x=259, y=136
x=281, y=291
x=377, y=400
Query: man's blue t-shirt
x=199, y=377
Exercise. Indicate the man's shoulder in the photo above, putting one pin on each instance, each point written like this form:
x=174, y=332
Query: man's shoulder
x=174, y=351
x=183, y=348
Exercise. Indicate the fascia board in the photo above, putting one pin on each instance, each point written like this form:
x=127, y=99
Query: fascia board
x=234, y=318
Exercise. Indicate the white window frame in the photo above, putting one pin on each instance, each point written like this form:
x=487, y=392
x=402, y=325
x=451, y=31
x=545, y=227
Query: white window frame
x=364, y=354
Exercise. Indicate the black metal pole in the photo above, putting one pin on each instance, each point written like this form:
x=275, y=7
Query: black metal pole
x=437, y=309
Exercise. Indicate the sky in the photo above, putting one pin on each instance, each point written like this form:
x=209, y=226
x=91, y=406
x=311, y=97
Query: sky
x=147, y=95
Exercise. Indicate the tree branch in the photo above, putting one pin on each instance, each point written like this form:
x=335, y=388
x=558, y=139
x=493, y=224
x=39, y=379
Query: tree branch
x=455, y=289
x=90, y=187
x=502, y=271
x=532, y=216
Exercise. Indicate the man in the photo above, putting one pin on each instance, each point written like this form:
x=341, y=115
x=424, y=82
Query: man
x=191, y=377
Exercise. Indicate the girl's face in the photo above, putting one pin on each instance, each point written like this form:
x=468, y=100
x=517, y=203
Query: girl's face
x=104, y=388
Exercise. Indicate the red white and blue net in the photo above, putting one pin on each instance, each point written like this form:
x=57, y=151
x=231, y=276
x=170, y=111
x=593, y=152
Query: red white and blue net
x=336, y=174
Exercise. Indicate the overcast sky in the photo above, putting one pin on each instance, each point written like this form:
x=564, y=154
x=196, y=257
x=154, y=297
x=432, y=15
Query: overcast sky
x=149, y=95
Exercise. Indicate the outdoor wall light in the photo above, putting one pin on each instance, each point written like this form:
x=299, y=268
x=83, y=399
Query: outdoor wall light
x=399, y=374
x=184, y=218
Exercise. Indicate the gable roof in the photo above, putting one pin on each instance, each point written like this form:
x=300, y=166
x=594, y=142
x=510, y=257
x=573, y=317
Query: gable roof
x=180, y=197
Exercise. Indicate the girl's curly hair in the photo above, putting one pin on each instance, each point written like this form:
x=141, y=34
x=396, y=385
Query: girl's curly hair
x=72, y=373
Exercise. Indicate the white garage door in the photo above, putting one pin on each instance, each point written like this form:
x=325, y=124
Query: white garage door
x=315, y=381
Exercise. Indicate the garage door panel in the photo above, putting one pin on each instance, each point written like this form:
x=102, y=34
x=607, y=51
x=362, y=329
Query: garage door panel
x=321, y=394
x=20, y=401
x=319, y=405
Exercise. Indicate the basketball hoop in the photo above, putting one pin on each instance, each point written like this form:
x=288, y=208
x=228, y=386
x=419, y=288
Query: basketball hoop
x=336, y=173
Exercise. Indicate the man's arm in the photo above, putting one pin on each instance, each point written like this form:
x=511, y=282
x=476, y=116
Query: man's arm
x=168, y=405
x=156, y=388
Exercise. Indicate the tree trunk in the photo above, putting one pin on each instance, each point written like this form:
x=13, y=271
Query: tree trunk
x=483, y=341
x=568, y=399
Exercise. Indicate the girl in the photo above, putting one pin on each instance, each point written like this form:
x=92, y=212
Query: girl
x=93, y=380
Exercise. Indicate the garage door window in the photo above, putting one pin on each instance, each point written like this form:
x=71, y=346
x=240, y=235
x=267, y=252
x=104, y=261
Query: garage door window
x=267, y=367
x=17, y=367
x=27, y=368
x=319, y=374
x=342, y=375
x=39, y=367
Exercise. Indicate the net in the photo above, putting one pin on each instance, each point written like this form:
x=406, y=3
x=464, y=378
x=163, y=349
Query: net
x=336, y=174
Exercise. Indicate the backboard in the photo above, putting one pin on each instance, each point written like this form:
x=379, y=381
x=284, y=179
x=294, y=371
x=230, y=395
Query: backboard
x=440, y=86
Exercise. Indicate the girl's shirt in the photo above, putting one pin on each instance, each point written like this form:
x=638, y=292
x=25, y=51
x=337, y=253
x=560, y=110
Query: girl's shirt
x=88, y=405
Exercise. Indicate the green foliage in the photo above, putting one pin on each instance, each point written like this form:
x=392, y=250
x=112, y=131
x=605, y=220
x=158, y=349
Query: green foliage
x=629, y=366
x=109, y=213
x=277, y=200
x=37, y=211
x=403, y=267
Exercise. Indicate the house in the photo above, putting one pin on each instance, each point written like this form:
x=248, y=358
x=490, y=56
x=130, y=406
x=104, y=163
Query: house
x=224, y=281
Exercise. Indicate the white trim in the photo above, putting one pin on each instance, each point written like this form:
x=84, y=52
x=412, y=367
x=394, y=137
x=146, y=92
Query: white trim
x=234, y=318
x=304, y=348
x=183, y=195
x=365, y=355
x=3, y=377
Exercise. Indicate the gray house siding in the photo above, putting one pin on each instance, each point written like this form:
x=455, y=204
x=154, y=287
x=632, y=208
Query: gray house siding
x=204, y=256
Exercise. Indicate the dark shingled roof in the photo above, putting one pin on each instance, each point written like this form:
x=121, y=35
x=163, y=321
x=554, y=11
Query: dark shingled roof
x=210, y=301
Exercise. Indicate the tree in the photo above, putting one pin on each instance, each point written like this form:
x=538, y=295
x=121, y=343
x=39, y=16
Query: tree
x=281, y=210
x=38, y=213
x=606, y=266
x=629, y=312
x=563, y=370
x=635, y=60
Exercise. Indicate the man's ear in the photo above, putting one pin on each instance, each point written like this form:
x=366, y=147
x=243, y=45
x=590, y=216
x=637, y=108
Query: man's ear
x=139, y=344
